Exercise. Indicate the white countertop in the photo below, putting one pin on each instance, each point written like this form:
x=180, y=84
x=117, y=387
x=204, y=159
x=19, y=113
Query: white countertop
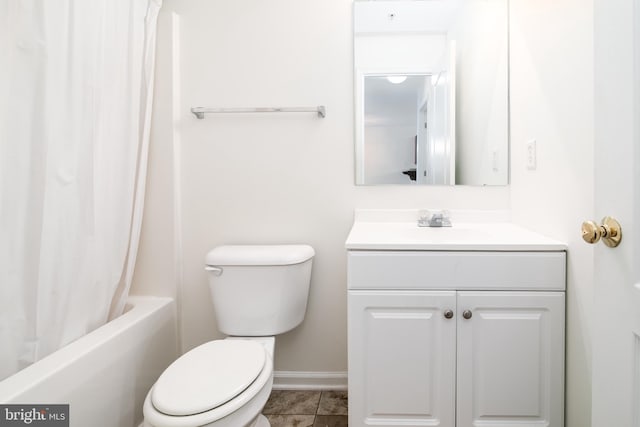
x=400, y=232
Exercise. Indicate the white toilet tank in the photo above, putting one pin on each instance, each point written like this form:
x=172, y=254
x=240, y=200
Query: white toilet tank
x=259, y=290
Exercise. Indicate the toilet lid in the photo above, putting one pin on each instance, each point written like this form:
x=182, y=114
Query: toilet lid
x=208, y=376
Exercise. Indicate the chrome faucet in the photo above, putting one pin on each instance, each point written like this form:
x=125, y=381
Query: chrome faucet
x=434, y=219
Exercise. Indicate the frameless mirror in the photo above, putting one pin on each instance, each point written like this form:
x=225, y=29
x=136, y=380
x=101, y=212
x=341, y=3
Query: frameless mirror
x=431, y=92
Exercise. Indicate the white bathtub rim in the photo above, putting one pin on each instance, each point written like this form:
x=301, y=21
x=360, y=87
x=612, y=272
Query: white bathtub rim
x=34, y=374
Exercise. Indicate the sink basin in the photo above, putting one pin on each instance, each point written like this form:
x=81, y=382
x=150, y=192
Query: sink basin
x=456, y=233
x=402, y=233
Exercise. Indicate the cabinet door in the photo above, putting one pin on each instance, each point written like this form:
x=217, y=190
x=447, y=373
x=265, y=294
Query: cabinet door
x=510, y=359
x=401, y=358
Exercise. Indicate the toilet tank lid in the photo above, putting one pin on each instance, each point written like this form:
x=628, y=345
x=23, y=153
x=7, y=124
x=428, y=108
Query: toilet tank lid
x=259, y=255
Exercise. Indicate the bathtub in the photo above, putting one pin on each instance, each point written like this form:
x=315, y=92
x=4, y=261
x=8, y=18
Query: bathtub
x=105, y=375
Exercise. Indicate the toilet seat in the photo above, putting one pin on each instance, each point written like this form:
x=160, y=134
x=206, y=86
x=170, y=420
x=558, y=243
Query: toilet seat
x=245, y=405
x=186, y=387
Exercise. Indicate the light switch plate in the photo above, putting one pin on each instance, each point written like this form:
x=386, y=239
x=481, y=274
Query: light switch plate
x=532, y=155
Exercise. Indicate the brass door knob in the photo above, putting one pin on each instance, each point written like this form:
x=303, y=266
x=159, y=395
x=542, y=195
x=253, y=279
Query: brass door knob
x=610, y=232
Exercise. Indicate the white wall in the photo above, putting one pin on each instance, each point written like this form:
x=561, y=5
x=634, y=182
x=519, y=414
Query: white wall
x=158, y=264
x=552, y=101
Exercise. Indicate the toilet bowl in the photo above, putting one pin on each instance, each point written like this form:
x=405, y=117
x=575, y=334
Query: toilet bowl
x=184, y=396
x=258, y=291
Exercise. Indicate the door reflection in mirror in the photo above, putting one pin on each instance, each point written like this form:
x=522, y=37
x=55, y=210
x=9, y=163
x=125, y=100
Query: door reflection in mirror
x=407, y=128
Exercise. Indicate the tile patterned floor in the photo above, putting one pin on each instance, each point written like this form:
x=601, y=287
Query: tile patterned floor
x=300, y=408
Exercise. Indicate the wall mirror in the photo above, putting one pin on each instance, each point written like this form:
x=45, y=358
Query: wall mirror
x=431, y=92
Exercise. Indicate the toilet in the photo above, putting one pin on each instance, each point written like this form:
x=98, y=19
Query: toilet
x=258, y=292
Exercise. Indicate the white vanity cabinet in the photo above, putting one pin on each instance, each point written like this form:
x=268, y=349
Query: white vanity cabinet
x=510, y=359
x=412, y=356
x=402, y=358
x=456, y=338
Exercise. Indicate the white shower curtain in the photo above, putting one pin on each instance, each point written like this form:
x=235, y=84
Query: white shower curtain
x=76, y=81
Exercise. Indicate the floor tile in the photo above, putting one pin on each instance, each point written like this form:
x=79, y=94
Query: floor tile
x=331, y=421
x=291, y=420
x=333, y=403
x=292, y=402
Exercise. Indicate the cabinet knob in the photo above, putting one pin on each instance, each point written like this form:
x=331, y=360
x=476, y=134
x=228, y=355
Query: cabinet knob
x=448, y=314
x=467, y=314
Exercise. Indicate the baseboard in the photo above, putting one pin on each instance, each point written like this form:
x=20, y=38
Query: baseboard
x=299, y=380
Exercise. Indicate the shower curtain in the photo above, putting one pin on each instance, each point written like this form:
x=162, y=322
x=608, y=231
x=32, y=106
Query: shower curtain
x=76, y=80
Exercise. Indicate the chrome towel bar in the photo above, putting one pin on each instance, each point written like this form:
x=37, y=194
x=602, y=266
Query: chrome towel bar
x=201, y=111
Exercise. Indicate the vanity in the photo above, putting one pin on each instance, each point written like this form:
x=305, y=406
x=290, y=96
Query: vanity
x=454, y=326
